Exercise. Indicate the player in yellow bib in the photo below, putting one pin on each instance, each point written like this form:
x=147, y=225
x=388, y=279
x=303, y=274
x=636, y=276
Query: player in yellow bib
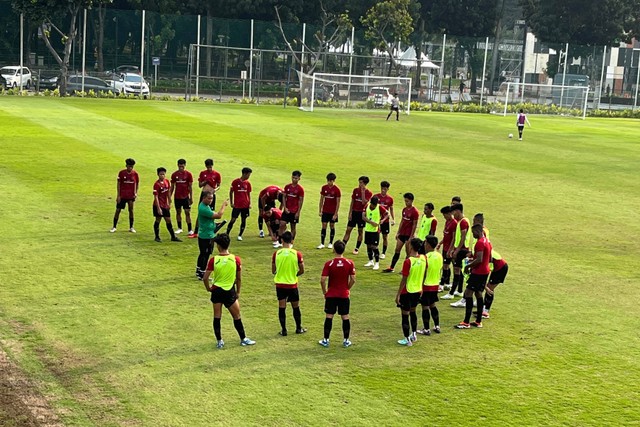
x=223, y=278
x=414, y=269
x=287, y=265
x=430, y=287
x=373, y=216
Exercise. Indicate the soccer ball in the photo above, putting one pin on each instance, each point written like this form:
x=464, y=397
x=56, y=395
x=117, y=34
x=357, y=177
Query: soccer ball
x=510, y=135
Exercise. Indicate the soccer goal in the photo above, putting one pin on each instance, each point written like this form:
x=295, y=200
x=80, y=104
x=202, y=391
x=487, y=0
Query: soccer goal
x=568, y=100
x=352, y=91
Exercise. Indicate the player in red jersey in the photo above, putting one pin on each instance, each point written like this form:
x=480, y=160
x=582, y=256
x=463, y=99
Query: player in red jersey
x=182, y=191
x=447, y=237
x=406, y=230
x=162, y=205
x=359, y=199
x=386, y=201
x=127, y=191
x=273, y=216
x=328, y=209
x=340, y=276
x=240, y=197
x=293, y=198
x=267, y=199
x=208, y=180
x=479, y=269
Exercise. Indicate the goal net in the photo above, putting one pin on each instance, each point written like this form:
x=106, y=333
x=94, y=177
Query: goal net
x=551, y=99
x=352, y=91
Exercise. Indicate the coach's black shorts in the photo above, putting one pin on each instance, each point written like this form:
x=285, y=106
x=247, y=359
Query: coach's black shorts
x=183, y=204
x=289, y=217
x=341, y=305
x=220, y=296
x=123, y=203
x=385, y=227
x=477, y=282
x=328, y=217
x=236, y=212
x=462, y=254
x=403, y=238
x=409, y=301
x=498, y=277
x=356, y=219
x=288, y=294
x=166, y=213
x=429, y=297
x=371, y=238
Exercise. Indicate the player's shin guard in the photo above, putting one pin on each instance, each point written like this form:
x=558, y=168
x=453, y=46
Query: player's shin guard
x=323, y=235
x=425, y=317
x=328, y=324
x=282, y=316
x=346, y=328
x=414, y=321
x=237, y=323
x=297, y=316
x=405, y=325
x=216, y=328
x=436, y=315
x=488, y=301
x=468, y=309
x=479, y=304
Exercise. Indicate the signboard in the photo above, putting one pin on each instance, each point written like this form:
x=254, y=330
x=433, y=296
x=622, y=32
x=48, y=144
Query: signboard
x=155, y=60
x=243, y=75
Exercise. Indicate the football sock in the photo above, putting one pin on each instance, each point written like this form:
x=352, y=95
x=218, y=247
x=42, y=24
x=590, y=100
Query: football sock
x=488, y=300
x=454, y=287
x=460, y=282
x=332, y=234
x=260, y=222
x=297, y=316
x=376, y=254
x=395, y=259
x=131, y=221
x=414, y=321
x=156, y=229
x=189, y=226
x=243, y=225
x=468, y=309
x=425, y=317
x=405, y=325
x=170, y=228
x=328, y=323
x=384, y=249
x=115, y=221
x=216, y=328
x=282, y=316
x=370, y=253
x=358, y=243
x=446, y=276
x=237, y=323
x=479, y=311
x=346, y=328
x=436, y=315
x=179, y=224
x=323, y=235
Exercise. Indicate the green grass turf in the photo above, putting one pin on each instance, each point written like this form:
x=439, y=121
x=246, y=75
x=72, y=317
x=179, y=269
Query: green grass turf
x=115, y=329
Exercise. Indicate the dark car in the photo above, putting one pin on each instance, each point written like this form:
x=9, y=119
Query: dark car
x=46, y=80
x=74, y=84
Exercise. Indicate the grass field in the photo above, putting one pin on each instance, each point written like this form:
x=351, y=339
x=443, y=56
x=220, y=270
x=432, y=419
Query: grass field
x=114, y=329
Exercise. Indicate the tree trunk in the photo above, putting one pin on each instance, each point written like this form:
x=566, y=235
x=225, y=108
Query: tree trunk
x=63, y=61
x=99, y=36
x=417, y=82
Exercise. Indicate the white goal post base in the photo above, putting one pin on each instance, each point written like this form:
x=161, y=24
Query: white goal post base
x=570, y=100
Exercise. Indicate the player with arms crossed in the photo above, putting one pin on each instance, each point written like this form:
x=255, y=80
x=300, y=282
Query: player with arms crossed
x=359, y=199
x=208, y=180
x=127, y=191
x=162, y=205
x=386, y=201
x=430, y=287
x=328, y=209
x=459, y=249
x=414, y=269
x=287, y=265
x=182, y=188
x=447, y=237
x=373, y=216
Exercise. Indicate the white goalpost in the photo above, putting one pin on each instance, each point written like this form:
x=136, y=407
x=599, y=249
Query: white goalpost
x=569, y=100
x=349, y=90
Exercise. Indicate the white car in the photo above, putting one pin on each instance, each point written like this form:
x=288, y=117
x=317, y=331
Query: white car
x=131, y=83
x=11, y=77
x=380, y=96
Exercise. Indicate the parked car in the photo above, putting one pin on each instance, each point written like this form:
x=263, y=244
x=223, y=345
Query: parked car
x=380, y=96
x=123, y=69
x=11, y=76
x=46, y=80
x=74, y=84
x=130, y=83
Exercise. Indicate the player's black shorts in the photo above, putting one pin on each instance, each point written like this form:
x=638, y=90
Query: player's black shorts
x=166, y=213
x=183, y=204
x=429, y=297
x=520, y=127
x=477, y=282
x=328, y=217
x=409, y=301
x=123, y=203
x=385, y=227
x=356, y=219
x=236, y=212
x=263, y=207
x=275, y=227
x=403, y=238
x=341, y=305
x=288, y=294
x=462, y=254
x=289, y=217
x=371, y=238
x=498, y=277
x=395, y=108
x=220, y=296
x=445, y=259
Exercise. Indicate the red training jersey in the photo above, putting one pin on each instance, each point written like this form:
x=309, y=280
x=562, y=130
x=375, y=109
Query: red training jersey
x=181, y=180
x=241, y=193
x=128, y=182
x=331, y=194
x=276, y=214
x=385, y=202
x=360, y=202
x=448, y=233
x=293, y=193
x=338, y=271
x=482, y=245
x=272, y=192
x=498, y=264
x=409, y=215
x=161, y=189
x=210, y=177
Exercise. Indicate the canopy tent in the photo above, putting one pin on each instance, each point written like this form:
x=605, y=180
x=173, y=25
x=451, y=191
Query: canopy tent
x=409, y=59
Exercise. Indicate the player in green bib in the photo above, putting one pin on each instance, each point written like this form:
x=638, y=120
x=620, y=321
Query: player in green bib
x=287, y=265
x=414, y=269
x=373, y=216
x=430, y=287
x=223, y=278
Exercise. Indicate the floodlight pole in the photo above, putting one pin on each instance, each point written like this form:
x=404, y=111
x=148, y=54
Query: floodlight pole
x=198, y=58
x=635, y=99
x=251, y=64
x=142, y=45
x=353, y=35
x=484, y=69
x=604, y=59
x=84, y=47
x=564, y=73
x=21, y=47
x=444, y=44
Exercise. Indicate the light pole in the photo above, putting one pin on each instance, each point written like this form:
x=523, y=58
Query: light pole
x=115, y=19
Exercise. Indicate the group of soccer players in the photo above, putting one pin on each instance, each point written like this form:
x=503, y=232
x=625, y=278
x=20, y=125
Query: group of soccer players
x=425, y=270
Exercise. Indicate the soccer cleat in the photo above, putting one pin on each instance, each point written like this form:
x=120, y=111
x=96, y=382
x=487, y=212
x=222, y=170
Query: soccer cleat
x=301, y=330
x=461, y=303
x=436, y=329
x=376, y=266
x=330, y=246
x=193, y=235
x=261, y=235
x=220, y=344
x=382, y=256
x=405, y=341
x=463, y=325
x=519, y=139
x=190, y=233
x=440, y=288
x=413, y=337
x=320, y=246
x=447, y=286
x=283, y=332
x=457, y=294
x=132, y=230
x=179, y=230
x=346, y=343
x=369, y=263
x=240, y=238
x=476, y=324
x=424, y=331
x=448, y=296
x=277, y=245
x=485, y=315
x=324, y=342
x=157, y=239
x=247, y=341
x=388, y=270
x=113, y=230
x=355, y=251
